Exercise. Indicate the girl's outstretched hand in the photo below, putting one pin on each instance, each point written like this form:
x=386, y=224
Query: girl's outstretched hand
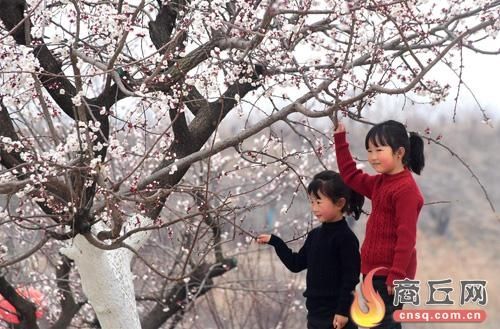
x=340, y=128
x=263, y=238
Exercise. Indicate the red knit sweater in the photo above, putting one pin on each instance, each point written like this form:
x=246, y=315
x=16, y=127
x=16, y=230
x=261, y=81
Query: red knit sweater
x=391, y=229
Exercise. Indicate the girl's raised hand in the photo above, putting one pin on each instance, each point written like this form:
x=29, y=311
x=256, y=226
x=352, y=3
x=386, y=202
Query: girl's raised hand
x=263, y=238
x=340, y=128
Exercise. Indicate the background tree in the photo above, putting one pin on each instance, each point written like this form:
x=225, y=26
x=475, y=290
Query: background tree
x=130, y=124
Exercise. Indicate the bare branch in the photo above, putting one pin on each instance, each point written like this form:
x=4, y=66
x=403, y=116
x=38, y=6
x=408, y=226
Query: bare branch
x=25, y=308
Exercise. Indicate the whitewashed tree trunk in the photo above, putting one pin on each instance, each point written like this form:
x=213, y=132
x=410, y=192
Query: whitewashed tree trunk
x=107, y=280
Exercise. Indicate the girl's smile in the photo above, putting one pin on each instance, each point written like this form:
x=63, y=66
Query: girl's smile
x=324, y=209
x=384, y=160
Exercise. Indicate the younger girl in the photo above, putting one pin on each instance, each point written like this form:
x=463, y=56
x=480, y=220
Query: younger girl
x=330, y=253
x=396, y=202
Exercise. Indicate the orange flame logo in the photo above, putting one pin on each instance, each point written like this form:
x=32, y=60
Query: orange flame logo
x=374, y=303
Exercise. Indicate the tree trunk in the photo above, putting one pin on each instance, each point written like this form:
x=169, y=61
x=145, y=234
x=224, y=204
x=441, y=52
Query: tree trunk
x=107, y=280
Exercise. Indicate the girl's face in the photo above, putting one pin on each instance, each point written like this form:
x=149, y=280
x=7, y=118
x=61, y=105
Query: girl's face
x=324, y=209
x=384, y=160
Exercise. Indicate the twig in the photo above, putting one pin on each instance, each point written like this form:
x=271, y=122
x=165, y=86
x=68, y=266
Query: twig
x=474, y=176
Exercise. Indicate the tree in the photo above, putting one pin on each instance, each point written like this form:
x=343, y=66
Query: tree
x=115, y=129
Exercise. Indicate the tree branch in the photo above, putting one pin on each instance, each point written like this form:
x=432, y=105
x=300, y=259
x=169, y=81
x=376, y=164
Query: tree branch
x=198, y=284
x=25, y=309
x=68, y=305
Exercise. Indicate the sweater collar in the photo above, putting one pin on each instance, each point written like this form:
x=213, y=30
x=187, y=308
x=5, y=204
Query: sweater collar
x=334, y=225
x=397, y=176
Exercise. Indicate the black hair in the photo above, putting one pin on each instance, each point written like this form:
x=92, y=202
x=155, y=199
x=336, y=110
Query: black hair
x=392, y=133
x=330, y=183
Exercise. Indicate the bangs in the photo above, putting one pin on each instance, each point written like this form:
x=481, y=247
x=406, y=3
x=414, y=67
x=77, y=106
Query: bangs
x=314, y=187
x=389, y=133
x=377, y=136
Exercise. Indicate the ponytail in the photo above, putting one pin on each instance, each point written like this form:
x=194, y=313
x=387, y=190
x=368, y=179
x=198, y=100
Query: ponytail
x=416, y=160
x=355, y=204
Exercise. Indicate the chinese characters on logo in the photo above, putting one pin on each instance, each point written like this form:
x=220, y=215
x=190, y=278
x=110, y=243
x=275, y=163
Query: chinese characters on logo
x=471, y=291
